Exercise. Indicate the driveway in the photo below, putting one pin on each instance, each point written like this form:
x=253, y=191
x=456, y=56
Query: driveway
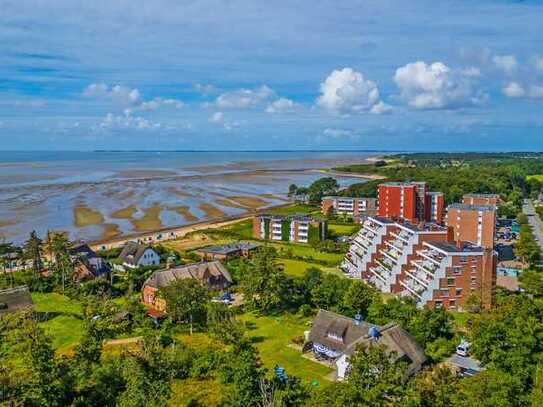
x=535, y=222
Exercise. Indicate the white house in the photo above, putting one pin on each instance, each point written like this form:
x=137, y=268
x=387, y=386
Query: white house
x=136, y=255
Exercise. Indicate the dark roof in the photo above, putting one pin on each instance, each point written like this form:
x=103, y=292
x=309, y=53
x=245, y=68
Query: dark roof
x=203, y=272
x=354, y=333
x=468, y=207
x=82, y=250
x=465, y=362
x=398, y=342
x=381, y=219
x=132, y=252
x=327, y=322
x=297, y=216
x=481, y=196
x=451, y=247
x=229, y=248
x=423, y=227
x=14, y=299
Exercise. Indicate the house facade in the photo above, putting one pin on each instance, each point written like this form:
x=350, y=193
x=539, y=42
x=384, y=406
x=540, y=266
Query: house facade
x=473, y=223
x=136, y=255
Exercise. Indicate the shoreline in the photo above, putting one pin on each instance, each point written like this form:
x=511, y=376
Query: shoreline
x=370, y=177
x=177, y=232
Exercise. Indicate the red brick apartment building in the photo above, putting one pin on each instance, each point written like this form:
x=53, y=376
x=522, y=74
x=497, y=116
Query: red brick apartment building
x=473, y=223
x=355, y=207
x=421, y=261
x=481, y=199
x=410, y=201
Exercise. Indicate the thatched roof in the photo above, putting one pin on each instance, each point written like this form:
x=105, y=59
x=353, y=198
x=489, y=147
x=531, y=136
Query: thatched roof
x=14, y=299
x=328, y=325
x=132, y=252
x=206, y=272
x=345, y=335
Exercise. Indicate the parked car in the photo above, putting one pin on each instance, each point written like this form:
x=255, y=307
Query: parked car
x=463, y=348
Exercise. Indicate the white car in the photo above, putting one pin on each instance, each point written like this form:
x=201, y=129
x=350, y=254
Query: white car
x=463, y=348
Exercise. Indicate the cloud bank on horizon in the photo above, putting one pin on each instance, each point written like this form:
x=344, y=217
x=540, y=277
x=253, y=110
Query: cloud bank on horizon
x=360, y=74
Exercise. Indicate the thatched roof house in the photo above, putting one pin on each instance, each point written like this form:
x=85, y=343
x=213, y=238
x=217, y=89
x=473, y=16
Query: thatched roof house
x=212, y=274
x=14, y=299
x=337, y=337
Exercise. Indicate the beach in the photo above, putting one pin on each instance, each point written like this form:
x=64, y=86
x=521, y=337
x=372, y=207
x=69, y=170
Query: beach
x=101, y=196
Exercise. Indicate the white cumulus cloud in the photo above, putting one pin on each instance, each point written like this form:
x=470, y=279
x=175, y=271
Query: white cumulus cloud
x=337, y=133
x=514, y=90
x=244, y=98
x=282, y=105
x=507, y=63
x=345, y=91
x=436, y=86
x=156, y=103
x=118, y=93
x=217, y=117
x=127, y=121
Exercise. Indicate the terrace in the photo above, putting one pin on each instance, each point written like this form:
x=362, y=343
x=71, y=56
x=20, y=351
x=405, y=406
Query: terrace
x=413, y=287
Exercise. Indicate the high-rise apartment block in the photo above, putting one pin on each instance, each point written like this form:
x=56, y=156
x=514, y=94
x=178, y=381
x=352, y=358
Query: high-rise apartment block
x=293, y=228
x=421, y=261
x=410, y=201
x=481, y=199
x=473, y=223
x=355, y=207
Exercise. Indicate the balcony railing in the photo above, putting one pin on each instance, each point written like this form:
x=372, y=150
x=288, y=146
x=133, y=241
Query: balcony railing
x=390, y=256
x=419, y=277
x=431, y=255
x=385, y=264
x=426, y=266
x=377, y=272
x=413, y=288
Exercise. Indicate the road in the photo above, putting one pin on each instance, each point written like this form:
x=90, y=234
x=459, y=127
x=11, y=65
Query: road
x=535, y=222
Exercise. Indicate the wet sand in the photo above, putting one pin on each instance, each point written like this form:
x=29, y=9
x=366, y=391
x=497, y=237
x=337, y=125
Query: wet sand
x=110, y=230
x=211, y=211
x=251, y=202
x=84, y=216
x=185, y=212
x=150, y=219
x=144, y=173
x=229, y=204
x=125, y=213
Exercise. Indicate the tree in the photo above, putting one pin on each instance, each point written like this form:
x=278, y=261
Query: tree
x=321, y=187
x=357, y=298
x=531, y=281
x=58, y=247
x=433, y=388
x=222, y=323
x=292, y=189
x=186, y=301
x=263, y=282
x=33, y=251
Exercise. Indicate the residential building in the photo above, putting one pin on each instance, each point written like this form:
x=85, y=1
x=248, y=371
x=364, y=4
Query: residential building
x=421, y=261
x=382, y=247
x=292, y=228
x=446, y=274
x=87, y=264
x=410, y=201
x=226, y=252
x=354, y=207
x=14, y=299
x=481, y=199
x=136, y=255
x=210, y=274
x=335, y=337
x=473, y=223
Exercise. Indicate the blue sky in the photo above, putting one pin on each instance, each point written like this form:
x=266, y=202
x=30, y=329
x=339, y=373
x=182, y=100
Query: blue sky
x=384, y=74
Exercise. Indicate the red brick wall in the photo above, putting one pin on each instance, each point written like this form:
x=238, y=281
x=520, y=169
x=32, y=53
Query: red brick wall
x=256, y=227
x=465, y=228
x=326, y=204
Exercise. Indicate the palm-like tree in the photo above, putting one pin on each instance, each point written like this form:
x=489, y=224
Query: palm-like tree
x=58, y=247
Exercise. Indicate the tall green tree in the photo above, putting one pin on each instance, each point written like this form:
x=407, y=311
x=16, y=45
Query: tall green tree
x=33, y=251
x=186, y=301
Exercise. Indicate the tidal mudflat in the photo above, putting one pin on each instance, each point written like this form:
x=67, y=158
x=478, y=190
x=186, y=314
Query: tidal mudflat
x=103, y=195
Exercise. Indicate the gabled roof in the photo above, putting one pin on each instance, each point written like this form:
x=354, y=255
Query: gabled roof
x=328, y=326
x=132, y=252
x=229, y=248
x=14, y=299
x=326, y=323
x=82, y=250
x=202, y=272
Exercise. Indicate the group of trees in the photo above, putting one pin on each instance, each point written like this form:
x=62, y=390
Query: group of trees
x=319, y=188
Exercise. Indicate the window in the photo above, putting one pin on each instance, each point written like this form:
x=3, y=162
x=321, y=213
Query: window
x=458, y=292
x=438, y=304
x=452, y=304
x=450, y=281
x=457, y=270
x=444, y=292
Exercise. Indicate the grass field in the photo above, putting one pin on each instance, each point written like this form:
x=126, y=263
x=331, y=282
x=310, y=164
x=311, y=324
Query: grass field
x=332, y=259
x=298, y=208
x=273, y=335
x=538, y=177
x=297, y=268
x=65, y=326
x=207, y=392
x=342, y=230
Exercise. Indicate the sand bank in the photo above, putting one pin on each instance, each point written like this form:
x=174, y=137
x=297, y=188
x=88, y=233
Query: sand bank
x=211, y=211
x=150, y=219
x=125, y=213
x=84, y=216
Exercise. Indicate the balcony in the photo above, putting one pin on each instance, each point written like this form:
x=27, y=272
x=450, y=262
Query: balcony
x=385, y=264
x=393, y=257
x=403, y=236
x=371, y=227
x=420, y=277
x=413, y=287
x=425, y=266
x=379, y=273
x=396, y=245
x=431, y=255
x=363, y=245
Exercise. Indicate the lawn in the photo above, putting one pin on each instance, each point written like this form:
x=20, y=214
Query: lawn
x=537, y=177
x=272, y=336
x=294, y=209
x=297, y=268
x=308, y=252
x=206, y=391
x=65, y=323
x=342, y=230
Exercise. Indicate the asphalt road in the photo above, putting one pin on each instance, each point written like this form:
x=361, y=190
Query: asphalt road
x=535, y=222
